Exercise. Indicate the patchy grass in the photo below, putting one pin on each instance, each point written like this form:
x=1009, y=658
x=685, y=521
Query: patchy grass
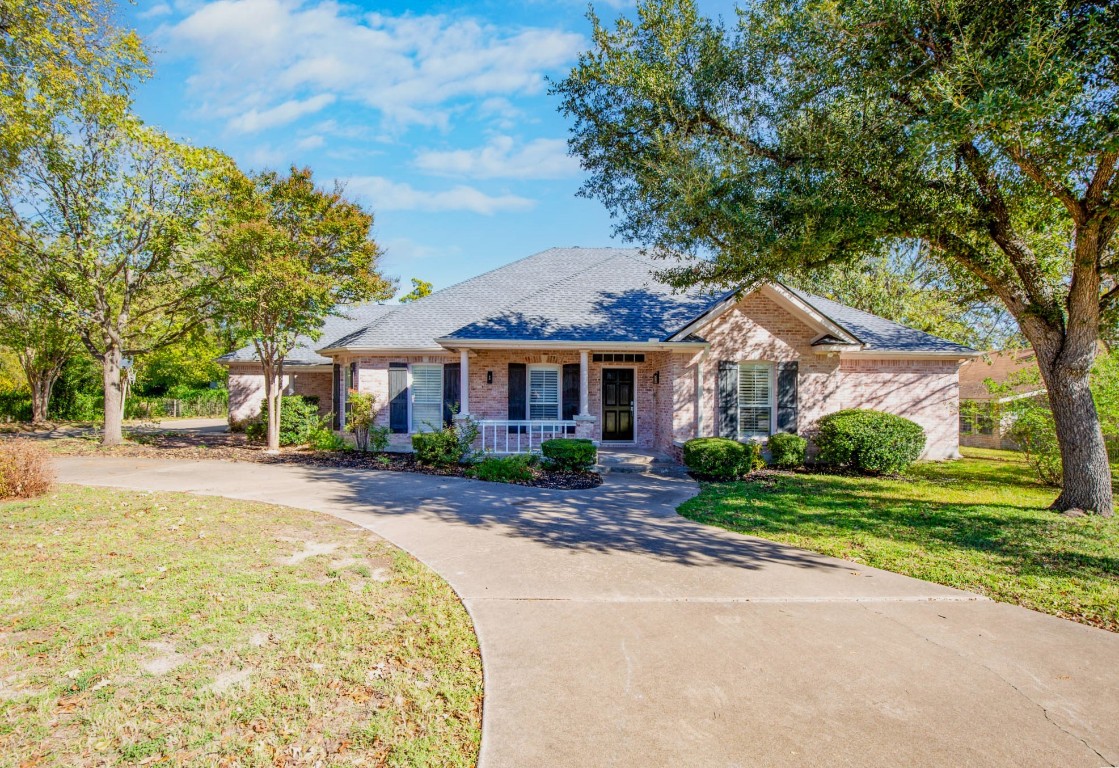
x=143, y=628
x=979, y=524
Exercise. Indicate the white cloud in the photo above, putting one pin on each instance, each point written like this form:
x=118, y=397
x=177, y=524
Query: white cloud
x=387, y=195
x=412, y=68
x=157, y=9
x=254, y=120
x=502, y=159
x=313, y=141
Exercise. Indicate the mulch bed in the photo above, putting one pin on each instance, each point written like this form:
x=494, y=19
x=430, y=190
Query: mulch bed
x=234, y=447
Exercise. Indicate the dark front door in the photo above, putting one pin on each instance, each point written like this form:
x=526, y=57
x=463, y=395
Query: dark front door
x=617, y=404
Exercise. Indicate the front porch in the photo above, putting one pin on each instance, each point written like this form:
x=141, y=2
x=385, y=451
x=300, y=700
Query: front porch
x=519, y=398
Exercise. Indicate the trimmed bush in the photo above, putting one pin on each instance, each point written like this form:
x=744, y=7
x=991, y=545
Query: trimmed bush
x=438, y=449
x=570, y=454
x=720, y=458
x=324, y=439
x=504, y=469
x=872, y=442
x=787, y=451
x=299, y=418
x=24, y=470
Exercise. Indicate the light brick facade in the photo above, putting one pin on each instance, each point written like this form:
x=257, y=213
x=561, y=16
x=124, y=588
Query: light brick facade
x=676, y=392
x=246, y=389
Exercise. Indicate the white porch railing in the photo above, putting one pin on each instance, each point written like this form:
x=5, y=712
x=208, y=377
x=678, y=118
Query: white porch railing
x=511, y=436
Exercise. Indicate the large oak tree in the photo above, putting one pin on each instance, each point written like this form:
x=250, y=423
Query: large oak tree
x=814, y=132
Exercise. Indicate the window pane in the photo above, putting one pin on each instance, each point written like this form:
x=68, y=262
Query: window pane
x=543, y=393
x=427, y=397
x=755, y=412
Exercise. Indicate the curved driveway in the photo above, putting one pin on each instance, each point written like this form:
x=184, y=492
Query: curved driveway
x=615, y=633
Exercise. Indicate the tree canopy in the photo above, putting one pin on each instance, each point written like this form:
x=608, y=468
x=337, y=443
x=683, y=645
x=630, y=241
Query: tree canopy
x=815, y=133
x=291, y=254
x=420, y=288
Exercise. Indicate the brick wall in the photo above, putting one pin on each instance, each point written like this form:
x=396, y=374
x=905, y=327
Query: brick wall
x=246, y=389
x=760, y=329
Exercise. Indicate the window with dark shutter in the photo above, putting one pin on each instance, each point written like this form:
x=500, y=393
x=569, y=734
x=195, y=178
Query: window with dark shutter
x=339, y=395
x=452, y=384
x=398, y=397
x=728, y=399
x=787, y=406
x=518, y=394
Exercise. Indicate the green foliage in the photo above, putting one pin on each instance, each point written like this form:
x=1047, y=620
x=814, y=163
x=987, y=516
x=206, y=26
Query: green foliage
x=290, y=253
x=420, y=288
x=720, y=458
x=815, y=133
x=440, y=448
x=15, y=406
x=787, y=451
x=323, y=438
x=379, y=437
x=183, y=368
x=569, y=454
x=359, y=418
x=1033, y=430
x=299, y=418
x=868, y=441
x=516, y=468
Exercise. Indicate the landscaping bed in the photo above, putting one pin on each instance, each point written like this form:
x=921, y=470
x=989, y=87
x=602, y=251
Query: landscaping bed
x=235, y=447
x=174, y=629
x=981, y=524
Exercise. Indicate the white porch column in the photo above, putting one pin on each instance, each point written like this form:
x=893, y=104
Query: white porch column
x=464, y=382
x=584, y=383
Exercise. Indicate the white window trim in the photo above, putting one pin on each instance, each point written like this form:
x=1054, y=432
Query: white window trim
x=412, y=392
x=559, y=389
x=772, y=399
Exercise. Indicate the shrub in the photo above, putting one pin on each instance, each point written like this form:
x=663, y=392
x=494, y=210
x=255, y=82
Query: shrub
x=1036, y=434
x=570, y=454
x=299, y=417
x=379, y=438
x=15, y=406
x=720, y=458
x=24, y=470
x=504, y=469
x=787, y=451
x=359, y=419
x=441, y=448
x=869, y=441
x=324, y=439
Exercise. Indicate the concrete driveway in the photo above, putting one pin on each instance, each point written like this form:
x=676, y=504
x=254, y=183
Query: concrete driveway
x=615, y=633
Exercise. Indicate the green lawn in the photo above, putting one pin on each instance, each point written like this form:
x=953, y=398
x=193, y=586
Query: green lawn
x=979, y=524
x=183, y=630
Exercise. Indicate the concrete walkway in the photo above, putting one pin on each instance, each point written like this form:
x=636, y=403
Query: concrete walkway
x=615, y=633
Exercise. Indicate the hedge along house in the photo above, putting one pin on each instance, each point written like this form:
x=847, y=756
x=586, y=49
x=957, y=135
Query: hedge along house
x=587, y=342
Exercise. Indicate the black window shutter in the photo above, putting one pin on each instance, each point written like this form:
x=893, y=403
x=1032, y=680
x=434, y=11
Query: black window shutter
x=338, y=384
x=398, y=397
x=570, y=393
x=728, y=399
x=787, y=397
x=452, y=397
x=518, y=393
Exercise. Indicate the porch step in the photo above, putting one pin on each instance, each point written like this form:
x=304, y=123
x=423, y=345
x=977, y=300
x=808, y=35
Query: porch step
x=636, y=462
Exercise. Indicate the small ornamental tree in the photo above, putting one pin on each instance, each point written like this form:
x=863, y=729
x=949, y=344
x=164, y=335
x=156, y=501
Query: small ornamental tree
x=291, y=253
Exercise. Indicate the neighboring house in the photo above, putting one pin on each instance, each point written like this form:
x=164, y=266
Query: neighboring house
x=987, y=384
x=587, y=342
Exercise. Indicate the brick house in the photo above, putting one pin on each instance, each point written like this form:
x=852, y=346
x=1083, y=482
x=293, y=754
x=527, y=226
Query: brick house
x=587, y=342
x=987, y=385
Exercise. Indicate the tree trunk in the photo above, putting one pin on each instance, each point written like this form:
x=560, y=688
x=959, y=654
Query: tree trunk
x=1087, y=473
x=41, y=386
x=114, y=396
x=272, y=390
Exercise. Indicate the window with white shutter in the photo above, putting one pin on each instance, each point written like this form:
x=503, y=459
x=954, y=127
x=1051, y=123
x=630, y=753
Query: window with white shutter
x=755, y=400
x=543, y=393
x=427, y=398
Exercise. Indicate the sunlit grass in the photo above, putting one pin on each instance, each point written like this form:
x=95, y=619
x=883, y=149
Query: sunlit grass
x=980, y=524
x=143, y=628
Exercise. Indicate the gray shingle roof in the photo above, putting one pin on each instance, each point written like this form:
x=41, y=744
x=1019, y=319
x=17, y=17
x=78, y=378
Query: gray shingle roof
x=348, y=319
x=878, y=333
x=572, y=295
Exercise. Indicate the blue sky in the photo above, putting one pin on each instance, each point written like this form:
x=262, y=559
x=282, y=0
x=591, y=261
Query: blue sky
x=436, y=116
